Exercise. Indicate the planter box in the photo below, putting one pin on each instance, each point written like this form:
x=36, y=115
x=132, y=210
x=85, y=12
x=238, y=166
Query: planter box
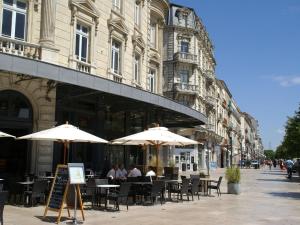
x=233, y=188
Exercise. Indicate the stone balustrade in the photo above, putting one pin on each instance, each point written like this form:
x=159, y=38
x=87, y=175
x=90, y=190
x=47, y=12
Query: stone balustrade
x=20, y=48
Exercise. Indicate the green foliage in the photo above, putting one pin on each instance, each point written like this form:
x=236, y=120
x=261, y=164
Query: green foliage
x=290, y=146
x=233, y=175
x=270, y=154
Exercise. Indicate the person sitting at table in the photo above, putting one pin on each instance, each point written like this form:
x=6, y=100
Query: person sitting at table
x=121, y=173
x=134, y=172
x=112, y=173
x=150, y=173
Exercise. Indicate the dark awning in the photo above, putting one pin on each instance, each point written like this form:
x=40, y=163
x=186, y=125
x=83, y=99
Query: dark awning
x=178, y=114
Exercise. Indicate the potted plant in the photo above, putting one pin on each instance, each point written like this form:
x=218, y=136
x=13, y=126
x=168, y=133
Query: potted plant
x=233, y=177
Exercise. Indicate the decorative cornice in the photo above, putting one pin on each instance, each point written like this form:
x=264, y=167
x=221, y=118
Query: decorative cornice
x=119, y=26
x=87, y=7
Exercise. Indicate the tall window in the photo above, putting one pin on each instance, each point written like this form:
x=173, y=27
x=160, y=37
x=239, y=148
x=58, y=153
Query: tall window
x=185, y=46
x=137, y=66
x=184, y=76
x=115, y=57
x=117, y=5
x=153, y=35
x=14, y=19
x=151, y=80
x=82, y=43
x=137, y=13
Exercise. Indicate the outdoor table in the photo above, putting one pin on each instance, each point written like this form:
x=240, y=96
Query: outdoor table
x=205, y=182
x=107, y=187
x=27, y=184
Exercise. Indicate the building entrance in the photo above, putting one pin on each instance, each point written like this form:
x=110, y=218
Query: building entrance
x=15, y=119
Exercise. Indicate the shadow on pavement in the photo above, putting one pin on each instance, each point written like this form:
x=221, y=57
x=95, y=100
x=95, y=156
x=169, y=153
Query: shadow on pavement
x=293, y=180
x=52, y=219
x=294, y=195
x=273, y=173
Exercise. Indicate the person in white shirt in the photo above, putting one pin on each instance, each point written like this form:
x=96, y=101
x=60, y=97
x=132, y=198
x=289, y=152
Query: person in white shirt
x=150, y=173
x=121, y=172
x=112, y=173
x=134, y=172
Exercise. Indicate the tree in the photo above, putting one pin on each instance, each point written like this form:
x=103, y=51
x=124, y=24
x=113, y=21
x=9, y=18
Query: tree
x=290, y=146
x=270, y=154
x=281, y=152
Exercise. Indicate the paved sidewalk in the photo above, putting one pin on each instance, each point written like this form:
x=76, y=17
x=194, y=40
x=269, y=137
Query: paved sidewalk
x=267, y=197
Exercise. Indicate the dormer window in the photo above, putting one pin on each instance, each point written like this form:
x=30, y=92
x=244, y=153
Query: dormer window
x=14, y=19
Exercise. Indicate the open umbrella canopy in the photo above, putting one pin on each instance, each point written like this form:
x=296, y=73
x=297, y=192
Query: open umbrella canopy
x=2, y=134
x=155, y=136
x=64, y=133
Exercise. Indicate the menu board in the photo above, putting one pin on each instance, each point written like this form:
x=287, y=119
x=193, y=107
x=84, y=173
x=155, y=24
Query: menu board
x=57, y=194
x=76, y=173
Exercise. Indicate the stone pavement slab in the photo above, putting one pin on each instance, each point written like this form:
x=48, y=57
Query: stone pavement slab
x=267, y=197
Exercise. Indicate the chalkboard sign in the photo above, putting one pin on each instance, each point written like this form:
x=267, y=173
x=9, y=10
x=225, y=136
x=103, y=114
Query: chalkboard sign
x=58, y=191
x=59, y=188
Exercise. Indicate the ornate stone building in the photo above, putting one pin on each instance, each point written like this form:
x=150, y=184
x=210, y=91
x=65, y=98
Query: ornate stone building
x=96, y=64
x=189, y=68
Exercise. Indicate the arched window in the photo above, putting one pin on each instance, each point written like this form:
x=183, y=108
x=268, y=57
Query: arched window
x=15, y=106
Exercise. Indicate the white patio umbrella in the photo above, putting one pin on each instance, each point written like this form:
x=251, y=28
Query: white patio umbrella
x=156, y=136
x=2, y=135
x=65, y=133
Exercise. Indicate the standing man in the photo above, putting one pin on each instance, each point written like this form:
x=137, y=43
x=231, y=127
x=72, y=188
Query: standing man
x=289, y=165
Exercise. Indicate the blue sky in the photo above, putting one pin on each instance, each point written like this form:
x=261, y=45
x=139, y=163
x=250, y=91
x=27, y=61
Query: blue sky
x=257, y=49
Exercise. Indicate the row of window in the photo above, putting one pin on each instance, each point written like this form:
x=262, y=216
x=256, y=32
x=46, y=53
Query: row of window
x=14, y=26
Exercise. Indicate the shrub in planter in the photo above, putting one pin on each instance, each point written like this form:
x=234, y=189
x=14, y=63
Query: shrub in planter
x=233, y=177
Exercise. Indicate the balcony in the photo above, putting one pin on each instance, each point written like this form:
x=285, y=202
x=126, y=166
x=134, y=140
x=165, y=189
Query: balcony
x=209, y=100
x=186, y=57
x=210, y=77
x=184, y=88
x=20, y=48
x=210, y=127
x=83, y=66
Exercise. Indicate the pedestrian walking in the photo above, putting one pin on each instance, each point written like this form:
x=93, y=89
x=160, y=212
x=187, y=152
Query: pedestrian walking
x=270, y=164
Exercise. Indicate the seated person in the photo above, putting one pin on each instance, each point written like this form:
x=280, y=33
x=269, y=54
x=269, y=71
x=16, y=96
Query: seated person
x=134, y=172
x=121, y=172
x=112, y=173
x=150, y=173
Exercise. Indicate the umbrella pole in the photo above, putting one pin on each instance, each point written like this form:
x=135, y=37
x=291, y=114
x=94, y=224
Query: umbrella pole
x=157, y=147
x=65, y=151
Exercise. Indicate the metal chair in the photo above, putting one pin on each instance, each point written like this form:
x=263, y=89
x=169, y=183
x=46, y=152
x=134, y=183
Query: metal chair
x=38, y=191
x=194, y=189
x=118, y=196
x=217, y=186
x=3, y=199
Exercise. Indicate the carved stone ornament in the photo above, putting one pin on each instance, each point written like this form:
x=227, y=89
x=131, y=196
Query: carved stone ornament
x=137, y=41
x=118, y=26
x=155, y=57
x=87, y=7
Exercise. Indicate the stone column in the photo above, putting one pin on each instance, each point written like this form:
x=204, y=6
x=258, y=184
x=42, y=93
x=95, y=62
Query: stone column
x=47, y=36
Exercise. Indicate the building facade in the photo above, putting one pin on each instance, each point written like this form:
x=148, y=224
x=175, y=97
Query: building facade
x=96, y=64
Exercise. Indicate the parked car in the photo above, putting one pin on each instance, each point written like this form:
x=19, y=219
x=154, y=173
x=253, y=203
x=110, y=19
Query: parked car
x=255, y=164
